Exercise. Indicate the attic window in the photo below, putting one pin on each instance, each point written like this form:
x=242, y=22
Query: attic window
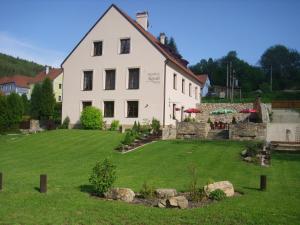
x=125, y=46
x=97, y=48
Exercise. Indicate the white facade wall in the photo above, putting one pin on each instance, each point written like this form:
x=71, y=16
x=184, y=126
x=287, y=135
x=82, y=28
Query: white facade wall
x=175, y=96
x=143, y=55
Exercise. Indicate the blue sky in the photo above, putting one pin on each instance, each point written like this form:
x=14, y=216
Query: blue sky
x=45, y=31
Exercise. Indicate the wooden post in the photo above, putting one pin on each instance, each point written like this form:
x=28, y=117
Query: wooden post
x=43, y=183
x=263, y=182
x=1, y=181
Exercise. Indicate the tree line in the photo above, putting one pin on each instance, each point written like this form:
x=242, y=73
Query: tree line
x=42, y=106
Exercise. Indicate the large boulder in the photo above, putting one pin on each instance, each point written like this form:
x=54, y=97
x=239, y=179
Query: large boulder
x=178, y=202
x=123, y=194
x=165, y=193
x=225, y=186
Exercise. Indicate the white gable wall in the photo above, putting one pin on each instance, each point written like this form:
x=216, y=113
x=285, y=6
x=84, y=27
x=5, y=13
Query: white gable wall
x=143, y=55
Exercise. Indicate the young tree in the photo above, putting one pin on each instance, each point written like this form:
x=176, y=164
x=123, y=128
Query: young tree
x=47, y=99
x=15, y=109
x=35, y=101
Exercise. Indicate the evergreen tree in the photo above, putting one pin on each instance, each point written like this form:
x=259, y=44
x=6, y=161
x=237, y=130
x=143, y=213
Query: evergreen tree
x=47, y=99
x=25, y=104
x=172, y=45
x=3, y=113
x=15, y=109
x=35, y=101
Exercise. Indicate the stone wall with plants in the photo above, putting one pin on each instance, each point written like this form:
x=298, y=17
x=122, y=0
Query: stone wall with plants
x=248, y=131
x=207, y=108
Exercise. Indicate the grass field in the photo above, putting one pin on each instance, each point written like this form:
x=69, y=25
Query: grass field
x=68, y=157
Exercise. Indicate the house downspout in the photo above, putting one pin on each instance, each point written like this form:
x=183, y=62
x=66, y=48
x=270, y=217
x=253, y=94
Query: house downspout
x=164, y=108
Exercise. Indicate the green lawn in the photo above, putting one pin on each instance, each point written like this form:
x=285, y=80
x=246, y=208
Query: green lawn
x=68, y=157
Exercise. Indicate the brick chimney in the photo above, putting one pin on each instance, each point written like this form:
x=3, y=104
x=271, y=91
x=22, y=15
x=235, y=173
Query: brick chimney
x=142, y=19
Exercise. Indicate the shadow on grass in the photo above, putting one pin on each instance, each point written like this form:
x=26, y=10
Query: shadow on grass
x=87, y=188
x=252, y=188
x=37, y=189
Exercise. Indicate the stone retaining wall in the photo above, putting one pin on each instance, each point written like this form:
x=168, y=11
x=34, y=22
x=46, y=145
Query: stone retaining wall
x=207, y=108
x=192, y=130
x=248, y=131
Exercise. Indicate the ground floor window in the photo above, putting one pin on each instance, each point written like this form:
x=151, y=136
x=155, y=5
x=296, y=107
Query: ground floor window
x=109, y=108
x=132, y=109
x=174, y=111
x=59, y=98
x=86, y=104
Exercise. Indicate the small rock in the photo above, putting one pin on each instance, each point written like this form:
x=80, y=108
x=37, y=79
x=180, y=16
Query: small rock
x=162, y=203
x=123, y=194
x=225, y=186
x=178, y=202
x=248, y=159
x=165, y=193
x=244, y=153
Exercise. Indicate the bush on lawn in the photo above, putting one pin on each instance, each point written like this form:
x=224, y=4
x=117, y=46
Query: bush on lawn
x=217, y=195
x=129, y=138
x=147, y=191
x=65, y=124
x=115, y=124
x=91, y=118
x=253, y=148
x=3, y=114
x=15, y=110
x=155, y=125
x=103, y=176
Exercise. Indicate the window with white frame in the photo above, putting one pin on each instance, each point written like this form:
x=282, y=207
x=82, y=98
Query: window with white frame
x=134, y=78
x=125, y=46
x=175, y=81
x=87, y=80
x=109, y=108
x=190, y=89
x=97, y=48
x=86, y=104
x=110, y=79
x=132, y=109
x=196, y=93
x=183, y=86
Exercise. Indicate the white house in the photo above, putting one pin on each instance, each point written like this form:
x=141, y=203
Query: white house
x=205, y=84
x=121, y=68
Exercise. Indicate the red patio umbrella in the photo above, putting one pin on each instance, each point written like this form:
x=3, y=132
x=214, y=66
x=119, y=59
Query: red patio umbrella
x=192, y=110
x=248, y=111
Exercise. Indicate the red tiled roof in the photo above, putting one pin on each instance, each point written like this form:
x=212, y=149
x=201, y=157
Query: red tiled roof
x=202, y=79
x=153, y=40
x=53, y=73
x=19, y=80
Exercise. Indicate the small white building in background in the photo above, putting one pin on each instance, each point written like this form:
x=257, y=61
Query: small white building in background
x=121, y=68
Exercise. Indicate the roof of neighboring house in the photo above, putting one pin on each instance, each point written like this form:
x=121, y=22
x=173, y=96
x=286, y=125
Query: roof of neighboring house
x=202, y=79
x=19, y=80
x=53, y=73
x=153, y=40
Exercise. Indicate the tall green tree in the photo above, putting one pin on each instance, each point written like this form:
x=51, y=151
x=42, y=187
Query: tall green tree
x=47, y=99
x=26, y=104
x=15, y=109
x=3, y=113
x=36, y=101
x=285, y=64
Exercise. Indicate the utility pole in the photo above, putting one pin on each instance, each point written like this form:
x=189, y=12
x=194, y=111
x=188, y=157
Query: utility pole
x=232, y=85
x=230, y=78
x=271, y=81
x=227, y=82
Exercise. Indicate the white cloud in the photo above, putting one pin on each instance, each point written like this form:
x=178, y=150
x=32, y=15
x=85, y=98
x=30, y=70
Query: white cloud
x=23, y=49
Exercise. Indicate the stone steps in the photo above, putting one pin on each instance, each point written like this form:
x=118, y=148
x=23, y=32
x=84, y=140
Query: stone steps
x=218, y=134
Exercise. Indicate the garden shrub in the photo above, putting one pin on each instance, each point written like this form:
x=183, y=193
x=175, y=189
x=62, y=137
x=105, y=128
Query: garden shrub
x=253, y=148
x=65, y=124
x=217, y=195
x=115, y=124
x=155, y=125
x=129, y=138
x=209, y=120
x=91, y=118
x=103, y=176
x=189, y=119
x=15, y=110
x=147, y=191
x=3, y=114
